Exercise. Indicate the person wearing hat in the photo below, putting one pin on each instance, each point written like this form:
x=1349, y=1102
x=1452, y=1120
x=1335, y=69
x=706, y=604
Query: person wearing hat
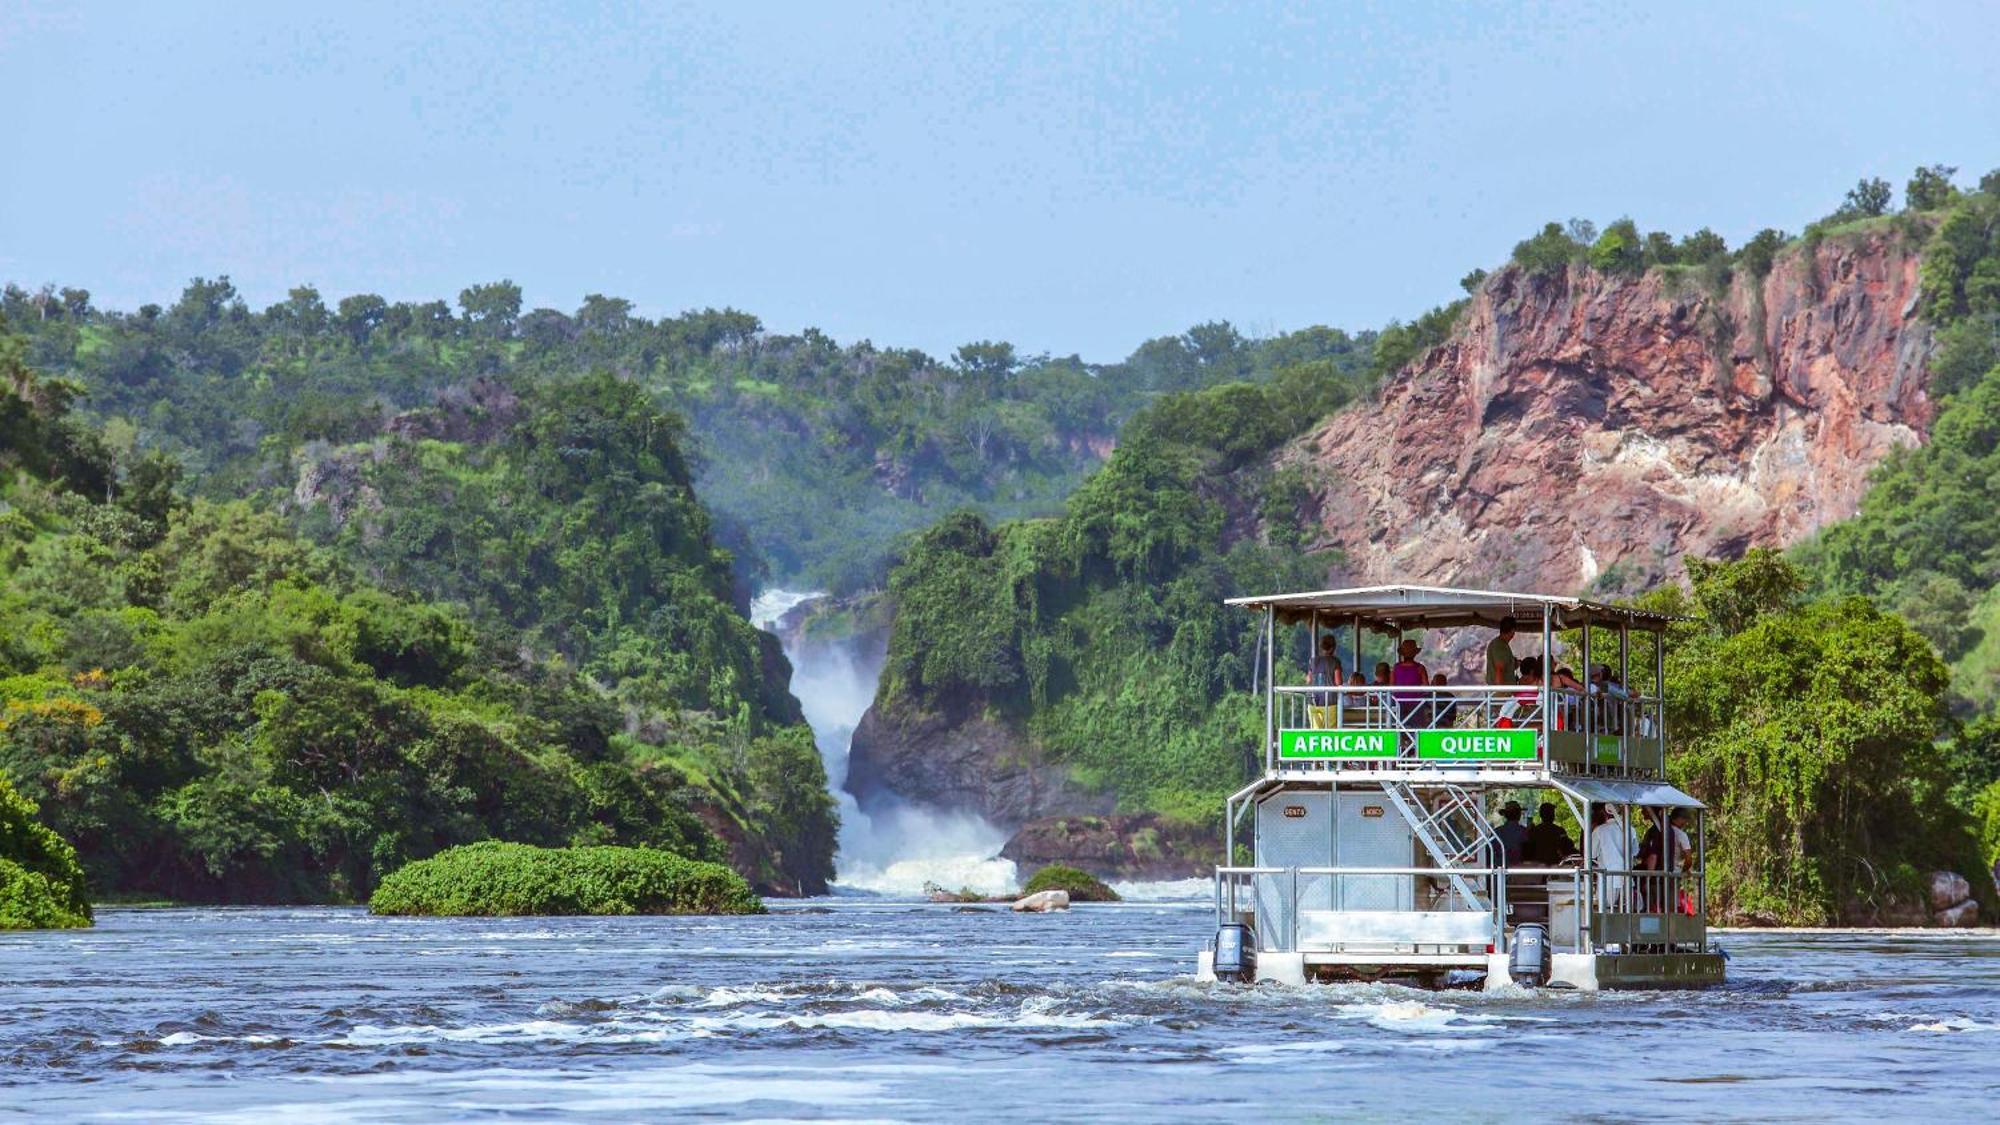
x=1512, y=833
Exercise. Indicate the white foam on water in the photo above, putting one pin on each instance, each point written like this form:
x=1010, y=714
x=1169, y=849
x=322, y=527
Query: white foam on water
x=876, y=1019
x=1412, y=1015
x=904, y=848
x=1956, y=1023
x=1165, y=890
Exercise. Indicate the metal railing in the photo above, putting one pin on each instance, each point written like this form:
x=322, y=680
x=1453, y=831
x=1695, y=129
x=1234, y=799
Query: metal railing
x=1605, y=733
x=1585, y=911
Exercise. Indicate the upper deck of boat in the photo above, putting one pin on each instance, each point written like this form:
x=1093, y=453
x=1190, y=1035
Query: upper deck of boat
x=1594, y=723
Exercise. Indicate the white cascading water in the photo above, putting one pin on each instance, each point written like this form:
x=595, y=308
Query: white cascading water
x=903, y=847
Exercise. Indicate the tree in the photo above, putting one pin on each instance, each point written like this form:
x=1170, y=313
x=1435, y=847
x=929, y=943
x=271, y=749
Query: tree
x=1868, y=198
x=302, y=312
x=1549, y=252
x=1472, y=281
x=986, y=360
x=492, y=309
x=1619, y=249
x=1761, y=252
x=360, y=315
x=1929, y=188
x=1811, y=729
x=604, y=316
x=1702, y=246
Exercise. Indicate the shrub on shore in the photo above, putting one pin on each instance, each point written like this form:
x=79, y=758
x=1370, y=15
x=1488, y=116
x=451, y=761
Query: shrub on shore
x=41, y=885
x=493, y=878
x=1081, y=885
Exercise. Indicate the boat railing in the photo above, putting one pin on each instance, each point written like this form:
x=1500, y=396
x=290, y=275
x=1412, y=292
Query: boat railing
x=1464, y=726
x=1370, y=910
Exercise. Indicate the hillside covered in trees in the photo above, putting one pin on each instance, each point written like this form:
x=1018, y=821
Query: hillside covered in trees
x=212, y=707
x=1064, y=642
x=815, y=455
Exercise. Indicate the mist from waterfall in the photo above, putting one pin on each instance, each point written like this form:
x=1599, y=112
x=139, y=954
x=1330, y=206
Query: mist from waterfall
x=901, y=847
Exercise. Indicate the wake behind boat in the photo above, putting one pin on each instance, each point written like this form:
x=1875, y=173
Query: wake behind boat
x=1372, y=855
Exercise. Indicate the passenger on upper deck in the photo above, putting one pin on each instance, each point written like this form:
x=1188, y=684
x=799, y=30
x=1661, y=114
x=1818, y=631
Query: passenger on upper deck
x=1408, y=673
x=1323, y=670
x=1500, y=654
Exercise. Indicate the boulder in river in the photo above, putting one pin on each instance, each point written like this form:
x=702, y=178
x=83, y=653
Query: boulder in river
x=1964, y=914
x=1041, y=902
x=1948, y=889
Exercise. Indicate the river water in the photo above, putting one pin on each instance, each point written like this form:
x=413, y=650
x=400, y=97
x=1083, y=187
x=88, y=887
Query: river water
x=867, y=1009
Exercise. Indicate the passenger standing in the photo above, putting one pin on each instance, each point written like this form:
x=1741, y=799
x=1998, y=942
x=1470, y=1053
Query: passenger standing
x=1409, y=673
x=1500, y=654
x=1548, y=844
x=1611, y=848
x=1323, y=670
x=1512, y=833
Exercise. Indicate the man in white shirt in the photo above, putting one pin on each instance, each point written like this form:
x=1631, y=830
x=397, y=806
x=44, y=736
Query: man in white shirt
x=1611, y=849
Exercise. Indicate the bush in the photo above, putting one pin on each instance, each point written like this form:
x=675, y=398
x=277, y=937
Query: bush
x=41, y=886
x=1081, y=885
x=498, y=879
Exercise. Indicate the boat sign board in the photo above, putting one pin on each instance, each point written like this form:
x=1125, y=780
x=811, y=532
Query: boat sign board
x=1476, y=745
x=1302, y=745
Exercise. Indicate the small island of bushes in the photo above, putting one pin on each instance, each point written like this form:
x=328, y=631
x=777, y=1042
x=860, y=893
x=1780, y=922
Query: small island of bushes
x=41, y=885
x=492, y=878
x=1081, y=885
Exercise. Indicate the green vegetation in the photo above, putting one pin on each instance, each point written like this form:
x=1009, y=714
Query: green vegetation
x=1927, y=538
x=41, y=886
x=496, y=879
x=1104, y=629
x=214, y=708
x=818, y=454
x=1813, y=729
x=1081, y=885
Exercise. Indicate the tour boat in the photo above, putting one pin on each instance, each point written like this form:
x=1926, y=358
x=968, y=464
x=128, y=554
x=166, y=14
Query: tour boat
x=1373, y=849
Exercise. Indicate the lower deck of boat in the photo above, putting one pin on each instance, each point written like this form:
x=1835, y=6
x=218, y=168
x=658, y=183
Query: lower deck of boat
x=1583, y=972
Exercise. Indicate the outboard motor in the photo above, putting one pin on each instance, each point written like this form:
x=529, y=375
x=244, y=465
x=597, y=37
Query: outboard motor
x=1528, y=961
x=1235, y=953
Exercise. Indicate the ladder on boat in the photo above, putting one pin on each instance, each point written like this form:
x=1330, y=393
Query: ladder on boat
x=1456, y=833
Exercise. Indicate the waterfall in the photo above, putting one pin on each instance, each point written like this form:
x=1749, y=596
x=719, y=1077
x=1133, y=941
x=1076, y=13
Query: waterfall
x=901, y=847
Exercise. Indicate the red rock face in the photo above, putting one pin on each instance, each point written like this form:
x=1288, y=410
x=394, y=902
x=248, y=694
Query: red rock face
x=1578, y=423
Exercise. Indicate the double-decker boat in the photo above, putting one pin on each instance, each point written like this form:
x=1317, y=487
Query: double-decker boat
x=1372, y=850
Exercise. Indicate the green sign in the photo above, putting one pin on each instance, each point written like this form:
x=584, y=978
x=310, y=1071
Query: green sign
x=1476, y=745
x=1607, y=749
x=1314, y=744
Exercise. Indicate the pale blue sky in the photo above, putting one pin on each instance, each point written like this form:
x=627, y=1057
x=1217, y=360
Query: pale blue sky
x=1074, y=178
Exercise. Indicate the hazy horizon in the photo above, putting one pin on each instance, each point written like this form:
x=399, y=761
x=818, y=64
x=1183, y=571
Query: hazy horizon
x=1070, y=179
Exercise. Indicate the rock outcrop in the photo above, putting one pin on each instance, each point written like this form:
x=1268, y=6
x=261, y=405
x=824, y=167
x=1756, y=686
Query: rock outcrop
x=1586, y=428
x=971, y=761
x=1142, y=846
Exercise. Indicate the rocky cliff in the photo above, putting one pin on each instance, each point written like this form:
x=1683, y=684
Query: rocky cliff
x=1584, y=428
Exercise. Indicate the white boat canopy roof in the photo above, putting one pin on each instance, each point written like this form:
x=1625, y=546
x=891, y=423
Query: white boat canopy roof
x=1437, y=607
x=1646, y=793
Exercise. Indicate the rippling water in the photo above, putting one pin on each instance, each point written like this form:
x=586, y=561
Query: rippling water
x=893, y=1011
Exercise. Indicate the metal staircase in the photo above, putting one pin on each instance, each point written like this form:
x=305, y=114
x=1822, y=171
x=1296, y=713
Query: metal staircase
x=1456, y=833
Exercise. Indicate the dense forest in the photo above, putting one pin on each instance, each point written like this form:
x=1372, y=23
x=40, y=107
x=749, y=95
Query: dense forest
x=1102, y=627
x=814, y=455
x=214, y=707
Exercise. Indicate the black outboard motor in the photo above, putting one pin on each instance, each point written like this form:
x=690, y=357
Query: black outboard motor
x=1528, y=961
x=1235, y=953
